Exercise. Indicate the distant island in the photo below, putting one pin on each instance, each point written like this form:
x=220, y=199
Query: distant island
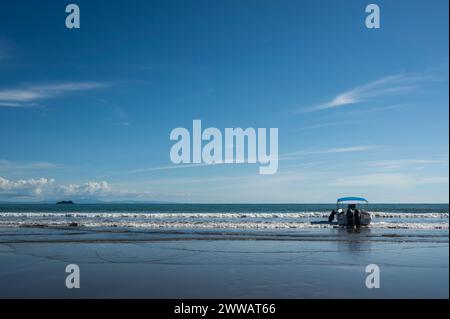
x=65, y=202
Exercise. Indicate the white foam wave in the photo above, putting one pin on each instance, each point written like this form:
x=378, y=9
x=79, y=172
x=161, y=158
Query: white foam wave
x=218, y=225
x=110, y=215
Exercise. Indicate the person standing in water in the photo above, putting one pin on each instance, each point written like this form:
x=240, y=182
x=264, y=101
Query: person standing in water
x=331, y=217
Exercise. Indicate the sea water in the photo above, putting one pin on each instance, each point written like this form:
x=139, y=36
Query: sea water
x=278, y=218
x=223, y=251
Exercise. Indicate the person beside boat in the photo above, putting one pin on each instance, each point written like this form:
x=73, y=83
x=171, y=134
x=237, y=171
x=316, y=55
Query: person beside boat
x=331, y=217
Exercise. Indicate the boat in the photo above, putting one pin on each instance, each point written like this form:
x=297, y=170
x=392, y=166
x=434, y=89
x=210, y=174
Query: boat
x=352, y=211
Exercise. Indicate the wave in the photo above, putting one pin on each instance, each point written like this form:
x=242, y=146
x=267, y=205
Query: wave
x=109, y=215
x=216, y=225
x=233, y=220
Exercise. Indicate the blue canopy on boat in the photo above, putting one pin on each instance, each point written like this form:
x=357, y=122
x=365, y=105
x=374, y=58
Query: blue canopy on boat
x=352, y=199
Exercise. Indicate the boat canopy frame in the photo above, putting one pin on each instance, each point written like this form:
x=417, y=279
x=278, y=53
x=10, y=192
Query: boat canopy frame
x=356, y=200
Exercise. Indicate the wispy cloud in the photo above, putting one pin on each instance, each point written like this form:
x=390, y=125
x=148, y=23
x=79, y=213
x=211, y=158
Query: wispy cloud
x=378, y=109
x=389, y=180
x=10, y=166
x=354, y=112
x=333, y=150
x=160, y=168
x=387, y=85
x=322, y=125
x=25, y=96
x=18, y=105
x=405, y=163
x=285, y=156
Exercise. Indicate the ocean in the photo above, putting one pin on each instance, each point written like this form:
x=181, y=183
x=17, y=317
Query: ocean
x=221, y=251
x=216, y=216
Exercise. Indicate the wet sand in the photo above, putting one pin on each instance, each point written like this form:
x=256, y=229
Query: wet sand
x=164, y=264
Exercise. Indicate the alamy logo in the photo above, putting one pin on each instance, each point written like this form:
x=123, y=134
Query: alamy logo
x=230, y=149
x=373, y=279
x=73, y=279
x=373, y=19
x=73, y=19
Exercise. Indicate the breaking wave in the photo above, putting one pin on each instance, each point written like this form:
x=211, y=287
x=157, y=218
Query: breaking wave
x=211, y=215
x=216, y=220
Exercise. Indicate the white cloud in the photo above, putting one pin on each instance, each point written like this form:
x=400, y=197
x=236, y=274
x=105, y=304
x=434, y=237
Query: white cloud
x=23, y=97
x=381, y=87
x=87, y=189
x=23, y=188
x=49, y=189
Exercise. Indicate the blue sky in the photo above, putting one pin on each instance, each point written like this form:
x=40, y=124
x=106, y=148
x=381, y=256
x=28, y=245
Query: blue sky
x=87, y=113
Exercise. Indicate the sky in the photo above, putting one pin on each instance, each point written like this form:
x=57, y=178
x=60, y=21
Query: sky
x=86, y=114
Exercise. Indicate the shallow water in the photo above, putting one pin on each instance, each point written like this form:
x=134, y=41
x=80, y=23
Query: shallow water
x=221, y=251
x=224, y=269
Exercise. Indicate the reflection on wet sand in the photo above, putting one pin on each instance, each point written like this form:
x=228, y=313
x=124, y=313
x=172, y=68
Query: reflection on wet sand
x=357, y=240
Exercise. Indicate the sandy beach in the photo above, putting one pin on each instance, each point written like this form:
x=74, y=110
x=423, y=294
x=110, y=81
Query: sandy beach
x=226, y=264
